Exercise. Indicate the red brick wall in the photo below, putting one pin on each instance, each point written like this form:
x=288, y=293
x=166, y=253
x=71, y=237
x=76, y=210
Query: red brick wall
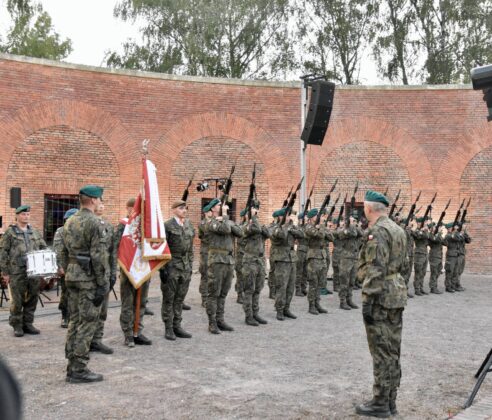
x=63, y=126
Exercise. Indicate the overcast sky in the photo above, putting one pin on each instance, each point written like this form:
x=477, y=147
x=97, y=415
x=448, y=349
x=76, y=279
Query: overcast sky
x=93, y=29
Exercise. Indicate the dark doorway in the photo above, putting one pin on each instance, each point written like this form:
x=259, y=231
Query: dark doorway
x=55, y=206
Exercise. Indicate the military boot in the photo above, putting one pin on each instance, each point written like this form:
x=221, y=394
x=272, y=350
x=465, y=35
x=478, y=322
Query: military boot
x=409, y=294
x=18, y=332
x=374, y=408
x=149, y=311
x=343, y=304
x=423, y=291
x=436, y=291
x=449, y=290
x=312, y=309
x=240, y=299
x=64, y=322
x=169, y=333
x=224, y=326
x=181, y=333
x=30, y=329
x=185, y=307
x=280, y=315
x=418, y=292
x=251, y=321
x=129, y=341
x=259, y=319
x=212, y=327
x=320, y=309
x=459, y=289
x=289, y=314
x=141, y=340
x=351, y=303
x=83, y=377
x=98, y=346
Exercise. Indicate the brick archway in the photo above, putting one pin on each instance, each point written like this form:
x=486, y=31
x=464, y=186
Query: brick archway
x=188, y=130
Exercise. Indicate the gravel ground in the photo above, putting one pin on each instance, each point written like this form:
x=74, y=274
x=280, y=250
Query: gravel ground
x=313, y=367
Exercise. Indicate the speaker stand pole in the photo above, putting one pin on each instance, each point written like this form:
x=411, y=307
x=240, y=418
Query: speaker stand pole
x=304, y=97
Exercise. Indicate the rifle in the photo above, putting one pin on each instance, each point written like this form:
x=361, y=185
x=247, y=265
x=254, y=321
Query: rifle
x=187, y=189
x=460, y=226
x=393, y=206
x=307, y=204
x=332, y=210
x=342, y=207
x=400, y=209
x=286, y=201
x=427, y=211
x=227, y=189
x=352, y=205
x=412, y=209
x=252, y=190
x=458, y=213
x=441, y=218
x=291, y=202
x=326, y=201
x=386, y=191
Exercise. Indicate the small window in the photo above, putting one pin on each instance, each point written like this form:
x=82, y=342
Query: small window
x=55, y=207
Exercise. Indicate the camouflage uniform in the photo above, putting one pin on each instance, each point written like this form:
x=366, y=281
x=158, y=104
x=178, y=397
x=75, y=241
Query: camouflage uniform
x=435, y=259
x=384, y=296
x=335, y=260
x=14, y=246
x=176, y=275
x=284, y=257
x=326, y=245
x=464, y=239
x=220, y=266
x=271, y=273
x=451, y=241
x=204, y=241
x=349, y=248
x=253, y=269
x=407, y=271
x=421, y=238
x=301, y=268
x=58, y=247
x=316, y=263
x=83, y=235
x=238, y=266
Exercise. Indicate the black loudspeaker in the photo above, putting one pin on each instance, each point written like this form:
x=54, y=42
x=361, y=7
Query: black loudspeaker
x=319, y=112
x=15, y=197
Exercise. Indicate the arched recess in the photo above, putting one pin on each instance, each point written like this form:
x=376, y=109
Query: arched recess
x=26, y=121
x=277, y=168
x=346, y=131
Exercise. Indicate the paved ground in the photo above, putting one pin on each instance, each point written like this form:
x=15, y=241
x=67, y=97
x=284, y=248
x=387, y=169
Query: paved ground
x=313, y=367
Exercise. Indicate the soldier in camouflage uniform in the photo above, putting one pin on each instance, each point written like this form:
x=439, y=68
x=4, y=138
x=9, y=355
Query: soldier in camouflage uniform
x=97, y=345
x=464, y=239
x=421, y=237
x=58, y=247
x=220, y=264
x=349, y=249
x=128, y=293
x=335, y=258
x=204, y=241
x=253, y=269
x=328, y=238
x=384, y=296
x=271, y=272
x=238, y=266
x=85, y=261
x=451, y=241
x=301, y=268
x=19, y=239
x=176, y=275
x=316, y=261
x=435, y=258
x=407, y=271
x=284, y=257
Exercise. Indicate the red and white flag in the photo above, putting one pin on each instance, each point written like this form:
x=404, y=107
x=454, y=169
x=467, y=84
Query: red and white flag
x=143, y=247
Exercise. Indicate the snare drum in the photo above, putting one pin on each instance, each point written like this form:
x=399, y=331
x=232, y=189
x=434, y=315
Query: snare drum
x=41, y=263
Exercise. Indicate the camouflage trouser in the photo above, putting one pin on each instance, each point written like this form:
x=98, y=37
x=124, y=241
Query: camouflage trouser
x=83, y=322
x=285, y=279
x=271, y=276
x=435, y=267
x=408, y=270
x=384, y=339
x=128, y=295
x=25, y=295
x=253, y=278
x=336, y=271
x=63, y=305
x=301, y=271
x=451, y=267
x=203, y=276
x=103, y=315
x=348, y=273
x=316, y=271
x=420, y=268
x=174, y=287
x=460, y=267
x=238, y=287
x=324, y=280
x=219, y=283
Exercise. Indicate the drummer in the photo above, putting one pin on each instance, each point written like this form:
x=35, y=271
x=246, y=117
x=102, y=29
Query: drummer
x=19, y=239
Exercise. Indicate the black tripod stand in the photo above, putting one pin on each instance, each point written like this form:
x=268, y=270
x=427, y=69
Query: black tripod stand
x=480, y=375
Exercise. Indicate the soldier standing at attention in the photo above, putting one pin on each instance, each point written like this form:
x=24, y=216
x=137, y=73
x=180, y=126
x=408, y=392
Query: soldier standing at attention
x=253, y=271
x=19, y=239
x=285, y=260
x=85, y=260
x=464, y=239
x=97, y=345
x=451, y=241
x=421, y=237
x=435, y=258
x=204, y=241
x=58, y=247
x=301, y=268
x=176, y=274
x=220, y=264
x=384, y=296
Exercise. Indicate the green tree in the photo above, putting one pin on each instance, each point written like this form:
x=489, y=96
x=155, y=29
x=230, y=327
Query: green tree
x=223, y=38
x=32, y=32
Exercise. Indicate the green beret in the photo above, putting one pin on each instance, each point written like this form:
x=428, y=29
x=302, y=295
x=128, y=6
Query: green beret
x=213, y=203
x=420, y=219
x=69, y=213
x=22, y=209
x=243, y=212
x=92, y=191
x=312, y=213
x=280, y=213
x=431, y=225
x=449, y=225
x=375, y=197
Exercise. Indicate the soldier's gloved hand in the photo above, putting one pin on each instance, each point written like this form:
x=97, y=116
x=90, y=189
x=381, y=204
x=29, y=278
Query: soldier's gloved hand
x=112, y=280
x=100, y=293
x=367, y=313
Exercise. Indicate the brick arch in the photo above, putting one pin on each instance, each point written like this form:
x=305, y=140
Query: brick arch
x=190, y=129
x=22, y=123
x=346, y=131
